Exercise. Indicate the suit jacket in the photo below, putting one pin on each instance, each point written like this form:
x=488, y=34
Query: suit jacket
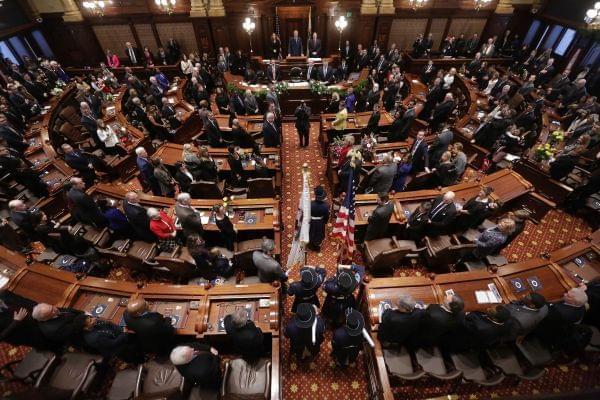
x=483, y=332
x=214, y=134
x=556, y=326
x=401, y=126
x=341, y=73
x=326, y=76
x=270, y=69
x=382, y=178
x=105, y=338
x=379, y=221
x=64, y=328
x=437, y=325
x=311, y=73
x=295, y=46
x=273, y=98
x=527, y=319
x=443, y=110
x=139, y=221
x=400, y=327
x=204, y=369
x=441, y=218
x=190, y=220
x=79, y=162
x=153, y=331
x=420, y=156
x=270, y=135
x=85, y=208
x=247, y=340
x=136, y=52
x=314, y=47
x=27, y=220
x=13, y=138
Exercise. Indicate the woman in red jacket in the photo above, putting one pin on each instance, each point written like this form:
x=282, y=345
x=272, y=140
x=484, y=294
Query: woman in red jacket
x=112, y=60
x=163, y=228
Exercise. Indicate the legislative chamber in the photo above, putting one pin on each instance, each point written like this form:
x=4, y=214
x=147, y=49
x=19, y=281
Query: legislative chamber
x=299, y=199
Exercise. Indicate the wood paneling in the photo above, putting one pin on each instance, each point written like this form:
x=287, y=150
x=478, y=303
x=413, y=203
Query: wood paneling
x=146, y=36
x=66, y=41
x=404, y=31
x=182, y=32
x=113, y=37
x=438, y=26
x=467, y=26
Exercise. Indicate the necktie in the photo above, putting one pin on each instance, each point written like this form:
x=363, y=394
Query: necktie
x=415, y=147
x=438, y=209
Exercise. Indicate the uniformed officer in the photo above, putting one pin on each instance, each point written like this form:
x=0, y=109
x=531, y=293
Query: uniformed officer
x=340, y=296
x=305, y=331
x=319, y=215
x=305, y=290
x=348, y=339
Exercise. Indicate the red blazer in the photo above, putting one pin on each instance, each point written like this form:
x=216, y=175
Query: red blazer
x=113, y=61
x=164, y=227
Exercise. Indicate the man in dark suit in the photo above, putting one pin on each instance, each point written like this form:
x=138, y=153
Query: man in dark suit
x=14, y=139
x=440, y=321
x=559, y=84
x=147, y=170
x=198, y=363
x=300, y=331
x=401, y=126
x=273, y=72
x=11, y=163
x=215, y=137
x=154, y=332
x=442, y=112
x=189, y=218
x=138, y=218
x=88, y=121
x=362, y=60
x=347, y=53
x=270, y=132
x=545, y=73
x=311, y=71
x=379, y=220
x=156, y=91
x=472, y=45
x=381, y=178
x=435, y=95
x=25, y=218
x=381, y=66
x=247, y=338
x=555, y=328
x=482, y=330
x=133, y=54
x=442, y=213
x=85, y=209
x=341, y=73
x=302, y=114
x=326, y=73
x=60, y=326
x=238, y=103
x=401, y=325
x=173, y=51
x=169, y=113
x=428, y=43
x=420, y=154
x=314, y=46
x=81, y=163
x=295, y=46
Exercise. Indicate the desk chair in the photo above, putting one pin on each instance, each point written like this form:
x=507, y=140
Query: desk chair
x=207, y=190
x=30, y=368
x=399, y=363
x=472, y=371
x=536, y=354
x=504, y=358
x=158, y=378
x=72, y=377
x=433, y=363
x=445, y=250
x=98, y=237
x=242, y=380
x=387, y=253
x=124, y=384
x=242, y=256
x=178, y=262
x=261, y=188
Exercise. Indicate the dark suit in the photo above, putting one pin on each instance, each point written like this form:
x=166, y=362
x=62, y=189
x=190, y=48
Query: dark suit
x=133, y=55
x=153, y=331
x=247, y=340
x=295, y=46
x=311, y=73
x=273, y=73
x=441, y=215
x=63, y=329
x=437, y=325
x=270, y=135
x=139, y=221
x=90, y=125
x=314, y=48
x=379, y=221
x=554, y=330
x=400, y=327
x=27, y=220
x=85, y=209
x=435, y=95
x=326, y=75
x=482, y=332
x=441, y=114
x=147, y=172
x=14, y=139
x=105, y=338
x=81, y=163
x=213, y=132
x=401, y=126
x=420, y=156
x=341, y=73
x=204, y=369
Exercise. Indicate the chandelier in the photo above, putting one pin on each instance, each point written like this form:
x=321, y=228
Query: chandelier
x=592, y=17
x=416, y=4
x=481, y=3
x=95, y=7
x=167, y=6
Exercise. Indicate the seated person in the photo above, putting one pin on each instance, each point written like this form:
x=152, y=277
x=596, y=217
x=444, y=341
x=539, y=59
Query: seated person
x=269, y=270
x=107, y=339
x=247, y=338
x=198, y=363
x=475, y=210
x=483, y=330
x=491, y=241
x=400, y=325
x=441, y=214
x=441, y=321
x=528, y=313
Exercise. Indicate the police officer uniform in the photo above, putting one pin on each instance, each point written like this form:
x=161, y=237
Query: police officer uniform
x=347, y=340
x=340, y=296
x=305, y=290
x=319, y=215
x=306, y=331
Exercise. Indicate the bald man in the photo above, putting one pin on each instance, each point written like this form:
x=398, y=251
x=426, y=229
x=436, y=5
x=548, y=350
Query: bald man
x=442, y=213
x=59, y=326
x=85, y=209
x=154, y=332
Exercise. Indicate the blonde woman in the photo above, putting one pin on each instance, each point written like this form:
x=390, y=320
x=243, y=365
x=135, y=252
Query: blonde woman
x=339, y=124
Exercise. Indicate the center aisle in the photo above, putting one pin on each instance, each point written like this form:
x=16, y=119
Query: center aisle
x=319, y=378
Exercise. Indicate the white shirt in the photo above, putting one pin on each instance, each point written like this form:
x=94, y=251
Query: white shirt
x=108, y=136
x=448, y=81
x=490, y=86
x=186, y=67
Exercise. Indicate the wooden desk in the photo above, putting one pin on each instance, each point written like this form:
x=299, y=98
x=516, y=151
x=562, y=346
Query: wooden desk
x=581, y=259
x=416, y=65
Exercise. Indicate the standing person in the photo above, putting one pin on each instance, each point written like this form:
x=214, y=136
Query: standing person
x=305, y=290
x=340, y=296
x=85, y=209
x=198, y=363
x=348, y=339
x=306, y=332
x=274, y=48
x=339, y=124
x=314, y=46
x=164, y=178
x=147, y=170
x=81, y=163
x=302, y=114
x=269, y=270
x=380, y=218
x=133, y=54
x=225, y=226
x=319, y=215
x=246, y=337
x=295, y=47
x=270, y=132
x=419, y=154
x=154, y=332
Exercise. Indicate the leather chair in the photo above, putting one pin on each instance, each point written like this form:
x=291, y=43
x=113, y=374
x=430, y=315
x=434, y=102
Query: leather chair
x=504, y=358
x=472, y=371
x=387, y=253
x=445, y=250
x=73, y=375
x=207, y=190
x=242, y=256
x=178, y=262
x=123, y=386
x=242, y=380
x=536, y=354
x=97, y=237
x=30, y=368
x=399, y=364
x=260, y=188
x=199, y=393
x=433, y=363
x=140, y=255
x=158, y=378
x=70, y=114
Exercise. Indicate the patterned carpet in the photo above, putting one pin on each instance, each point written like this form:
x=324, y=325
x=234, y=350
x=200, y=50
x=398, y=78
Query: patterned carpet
x=319, y=379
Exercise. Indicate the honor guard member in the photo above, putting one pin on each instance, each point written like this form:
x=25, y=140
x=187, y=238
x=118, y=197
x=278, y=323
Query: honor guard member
x=340, y=296
x=305, y=331
x=305, y=290
x=319, y=215
x=348, y=339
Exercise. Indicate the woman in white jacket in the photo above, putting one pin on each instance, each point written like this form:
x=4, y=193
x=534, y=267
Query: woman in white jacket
x=108, y=137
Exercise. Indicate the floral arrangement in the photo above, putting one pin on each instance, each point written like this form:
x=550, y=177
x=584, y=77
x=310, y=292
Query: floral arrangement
x=336, y=147
x=556, y=136
x=544, y=152
x=56, y=91
x=281, y=87
x=318, y=88
x=60, y=84
x=110, y=97
x=368, y=144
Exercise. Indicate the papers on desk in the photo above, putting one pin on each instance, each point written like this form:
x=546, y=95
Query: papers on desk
x=301, y=85
x=316, y=59
x=204, y=218
x=488, y=296
x=3, y=281
x=384, y=305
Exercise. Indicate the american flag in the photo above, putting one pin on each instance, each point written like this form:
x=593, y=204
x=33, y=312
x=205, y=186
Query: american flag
x=343, y=228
